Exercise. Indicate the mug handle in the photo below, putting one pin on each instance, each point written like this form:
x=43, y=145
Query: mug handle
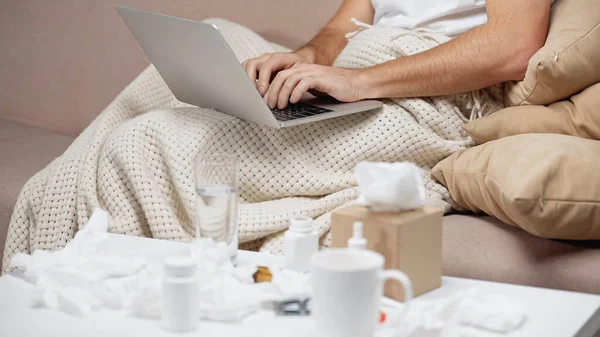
x=406, y=285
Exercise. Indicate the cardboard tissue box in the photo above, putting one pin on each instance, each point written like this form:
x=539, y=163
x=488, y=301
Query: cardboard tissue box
x=410, y=241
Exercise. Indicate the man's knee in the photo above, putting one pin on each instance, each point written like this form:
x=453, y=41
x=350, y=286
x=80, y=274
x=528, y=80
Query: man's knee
x=131, y=137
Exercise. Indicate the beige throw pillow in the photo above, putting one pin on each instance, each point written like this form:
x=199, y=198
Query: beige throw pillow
x=549, y=185
x=579, y=116
x=569, y=60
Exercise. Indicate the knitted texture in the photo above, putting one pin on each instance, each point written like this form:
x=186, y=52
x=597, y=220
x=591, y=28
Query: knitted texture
x=136, y=159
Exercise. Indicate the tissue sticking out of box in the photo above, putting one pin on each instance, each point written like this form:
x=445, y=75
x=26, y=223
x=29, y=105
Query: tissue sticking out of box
x=390, y=187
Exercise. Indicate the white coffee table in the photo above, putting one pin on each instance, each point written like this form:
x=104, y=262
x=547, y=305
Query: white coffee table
x=551, y=312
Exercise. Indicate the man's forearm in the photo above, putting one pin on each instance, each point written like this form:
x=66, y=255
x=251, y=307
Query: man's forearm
x=329, y=42
x=472, y=61
x=495, y=52
x=467, y=63
x=324, y=47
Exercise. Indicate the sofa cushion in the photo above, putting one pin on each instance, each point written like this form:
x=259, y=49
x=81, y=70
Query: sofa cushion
x=484, y=248
x=544, y=183
x=579, y=116
x=24, y=150
x=568, y=62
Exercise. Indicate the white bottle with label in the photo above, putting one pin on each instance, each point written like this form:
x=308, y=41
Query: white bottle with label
x=300, y=242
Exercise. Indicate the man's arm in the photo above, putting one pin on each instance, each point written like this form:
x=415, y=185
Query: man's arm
x=322, y=49
x=329, y=42
x=494, y=52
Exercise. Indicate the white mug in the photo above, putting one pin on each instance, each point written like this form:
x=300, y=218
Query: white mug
x=347, y=286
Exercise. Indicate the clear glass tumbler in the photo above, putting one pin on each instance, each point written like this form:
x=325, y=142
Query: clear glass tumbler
x=216, y=200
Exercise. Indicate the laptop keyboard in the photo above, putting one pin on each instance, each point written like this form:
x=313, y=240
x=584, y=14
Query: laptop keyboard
x=298, y=110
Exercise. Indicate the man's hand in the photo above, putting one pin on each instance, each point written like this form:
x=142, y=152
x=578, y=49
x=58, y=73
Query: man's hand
x=267, y=65
x=322, y=49
x=290, y=84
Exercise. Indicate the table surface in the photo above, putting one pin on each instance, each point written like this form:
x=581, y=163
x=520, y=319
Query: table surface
x=550, y=312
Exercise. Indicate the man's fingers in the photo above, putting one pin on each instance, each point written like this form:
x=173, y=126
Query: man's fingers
x=287, y=88
x=267, y=69
x=275, y=87
x=251, y=66
x=264, y=77
x=303, y=86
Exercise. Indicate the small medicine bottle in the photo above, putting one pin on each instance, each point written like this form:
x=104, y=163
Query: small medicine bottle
x=357, y=241
x=180, y=294
x=300, y=242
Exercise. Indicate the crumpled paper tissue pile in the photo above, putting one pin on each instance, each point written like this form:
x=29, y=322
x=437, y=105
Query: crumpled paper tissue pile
x=79, y=279
x=464, y=313
x=390, y=187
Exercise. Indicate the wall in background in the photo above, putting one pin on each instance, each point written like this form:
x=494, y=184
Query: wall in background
x=63, y=61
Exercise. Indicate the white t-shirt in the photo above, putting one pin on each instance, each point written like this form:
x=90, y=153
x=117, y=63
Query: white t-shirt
x=452, y=17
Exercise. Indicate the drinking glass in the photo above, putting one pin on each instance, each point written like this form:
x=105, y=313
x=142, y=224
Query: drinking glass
x=216, y=200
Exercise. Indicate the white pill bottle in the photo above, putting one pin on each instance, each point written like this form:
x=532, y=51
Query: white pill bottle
x=300, y=242
x=180, y=294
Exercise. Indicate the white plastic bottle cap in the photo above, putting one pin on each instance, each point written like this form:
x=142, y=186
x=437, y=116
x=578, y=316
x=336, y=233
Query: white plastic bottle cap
x=357, y=241
x=180, y=266
x=301, y=224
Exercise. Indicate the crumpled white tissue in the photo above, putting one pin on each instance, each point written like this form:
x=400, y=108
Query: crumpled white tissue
x=79, y=279
x=390, y=187
x=227, y=293
x=75, y=279
x=456, y=315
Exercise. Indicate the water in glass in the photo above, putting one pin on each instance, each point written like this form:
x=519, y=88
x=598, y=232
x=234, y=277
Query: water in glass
x=216, y=202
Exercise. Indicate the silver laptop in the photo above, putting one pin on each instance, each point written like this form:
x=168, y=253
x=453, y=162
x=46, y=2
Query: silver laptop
x=200, y=68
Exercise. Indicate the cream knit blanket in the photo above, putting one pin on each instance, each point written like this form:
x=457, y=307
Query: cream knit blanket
x=136, y=158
